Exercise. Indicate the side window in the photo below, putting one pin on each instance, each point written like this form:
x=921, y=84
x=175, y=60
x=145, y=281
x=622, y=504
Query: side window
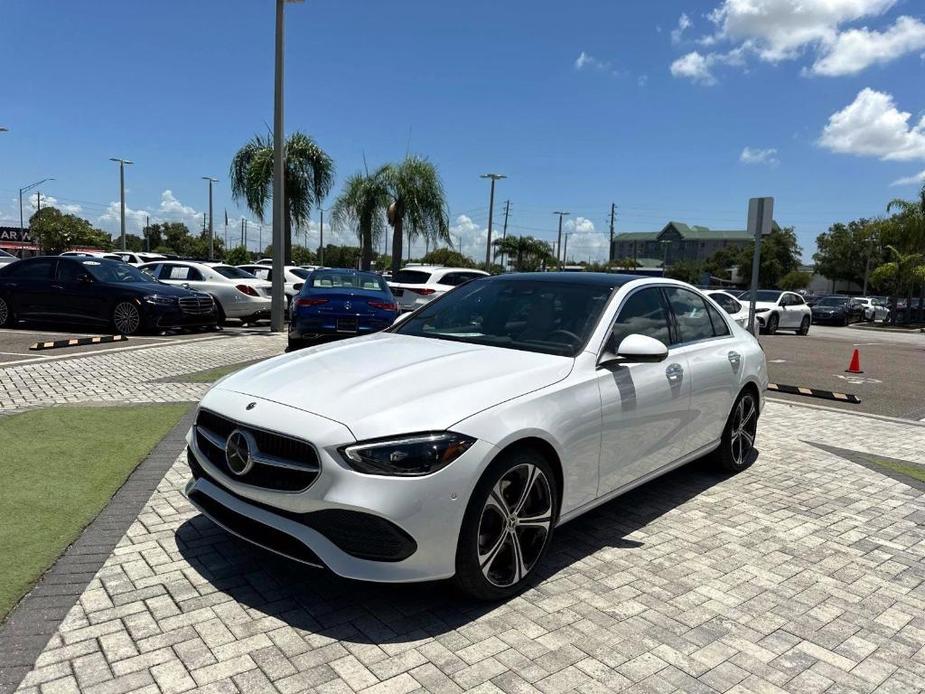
x=720, y=328
x=644, y=313
x=691, y=313
x=32, y=269
x=153, y=270
x=451, y=279
x=69, y=271
x=796, y=300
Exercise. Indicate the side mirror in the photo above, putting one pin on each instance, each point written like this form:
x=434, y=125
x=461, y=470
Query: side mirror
x=634, y=349
x=400, y=317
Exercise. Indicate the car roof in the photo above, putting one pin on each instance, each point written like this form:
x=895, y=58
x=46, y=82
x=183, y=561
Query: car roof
x=600, y=279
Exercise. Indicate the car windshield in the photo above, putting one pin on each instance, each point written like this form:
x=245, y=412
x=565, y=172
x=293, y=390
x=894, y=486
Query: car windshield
x=348, y=279
x=411, y=277
x=763, y=295
x=232, y=273
x=533, y=315
x=4, y=254
x=120, y=273
x=833, y=301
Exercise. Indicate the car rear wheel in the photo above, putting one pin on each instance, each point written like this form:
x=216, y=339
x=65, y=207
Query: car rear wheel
x=736, y=448
x=804, y=326
x=507, y=526
x=126, y=318
x=6, y=314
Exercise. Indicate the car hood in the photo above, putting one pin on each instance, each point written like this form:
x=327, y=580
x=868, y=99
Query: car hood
x=387, y=384
x=762, y=304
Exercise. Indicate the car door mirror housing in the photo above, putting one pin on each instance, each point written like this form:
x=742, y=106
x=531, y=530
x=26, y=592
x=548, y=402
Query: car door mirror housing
x=634, y=349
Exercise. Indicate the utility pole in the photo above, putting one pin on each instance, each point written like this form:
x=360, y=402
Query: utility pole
x=507, y=211
x=243, y=238
x=147, y=234
x=26, y=189
x=226, y=231
x=321, y=238
x=122, y=163
x=565, y=249
x=260, y=240
x=559, y=241
x=38, y=201
x=613, y=212
x=211, y=225
x=491, y=208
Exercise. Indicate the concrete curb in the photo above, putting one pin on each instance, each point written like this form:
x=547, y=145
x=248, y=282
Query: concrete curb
x=36, y=618
x=77, y=342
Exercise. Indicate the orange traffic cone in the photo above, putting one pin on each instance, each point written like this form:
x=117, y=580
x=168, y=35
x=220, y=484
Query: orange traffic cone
x=855, y=366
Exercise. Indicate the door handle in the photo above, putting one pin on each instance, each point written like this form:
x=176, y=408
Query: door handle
x=735, y=358
x=674, y=372
x=57, y=286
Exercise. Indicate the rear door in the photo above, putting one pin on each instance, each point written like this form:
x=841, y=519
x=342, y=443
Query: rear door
x=644, y=407
x=705, y=338
x=30, y=282
x=80, y=297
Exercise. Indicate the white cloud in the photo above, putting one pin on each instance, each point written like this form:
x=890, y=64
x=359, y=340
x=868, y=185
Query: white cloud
x=684, y=23
x=578, y=224
x=915, y=180
x=642, y=80
x=754, y=155
x=857, y=49
x=30, y=204
x=588, y=61
x=779, y=30
x=872, y=126
x=695, y=67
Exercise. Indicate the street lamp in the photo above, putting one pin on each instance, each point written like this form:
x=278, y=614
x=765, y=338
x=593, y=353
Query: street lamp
x=211, y=228
x=491, y=209
x=122, y=163
x=26, y=189
x=559, y=242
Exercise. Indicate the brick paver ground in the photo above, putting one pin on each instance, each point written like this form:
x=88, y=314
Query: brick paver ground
x=802, y=574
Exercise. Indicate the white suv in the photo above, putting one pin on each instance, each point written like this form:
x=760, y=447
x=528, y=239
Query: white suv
x=776, y=310
x=416, y=285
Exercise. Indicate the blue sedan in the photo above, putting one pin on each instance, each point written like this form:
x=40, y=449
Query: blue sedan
x=340, y=303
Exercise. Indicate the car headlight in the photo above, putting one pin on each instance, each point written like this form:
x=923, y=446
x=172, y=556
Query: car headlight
x=407, y=456
x=160, y=300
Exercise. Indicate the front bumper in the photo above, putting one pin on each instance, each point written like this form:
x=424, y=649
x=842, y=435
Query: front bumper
x=829, y=318
x=411, y=524
x=157, y=317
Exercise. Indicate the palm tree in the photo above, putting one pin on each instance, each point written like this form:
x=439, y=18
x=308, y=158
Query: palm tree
x=309, y=178
x=907, y=233
x=362, y=202
x=417, y=198
x=527, y=251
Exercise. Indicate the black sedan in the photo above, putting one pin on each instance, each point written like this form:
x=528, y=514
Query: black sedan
x=100, y=292
x=840, y=310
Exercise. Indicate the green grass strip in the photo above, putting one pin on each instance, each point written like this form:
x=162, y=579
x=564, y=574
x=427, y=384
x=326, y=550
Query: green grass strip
x=60, y=466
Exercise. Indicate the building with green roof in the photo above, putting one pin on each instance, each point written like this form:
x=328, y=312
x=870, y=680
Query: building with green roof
x=678, y=241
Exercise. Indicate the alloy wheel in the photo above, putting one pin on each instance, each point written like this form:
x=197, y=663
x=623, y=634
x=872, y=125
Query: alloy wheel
x=126, y=318
x=744, y=427
x=514, y=525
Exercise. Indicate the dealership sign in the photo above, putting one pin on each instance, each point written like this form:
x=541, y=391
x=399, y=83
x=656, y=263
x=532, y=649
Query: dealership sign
x=15, y=235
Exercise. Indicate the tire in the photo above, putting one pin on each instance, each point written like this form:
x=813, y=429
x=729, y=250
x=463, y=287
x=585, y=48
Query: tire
x=7, y=319
x=295, y=345
x=220, y=313
x=773, y=322
x=497, y=551
x=804, y=326
x=845, y=321
x=735, y=449
x=126, y=318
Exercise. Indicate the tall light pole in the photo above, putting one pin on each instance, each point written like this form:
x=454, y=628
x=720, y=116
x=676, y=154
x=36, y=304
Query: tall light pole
x=491, y=209
x=278, y=305
x=211, y=226
x=321, y=238
x=559, y=242
x=122, y=163
x=26, y=189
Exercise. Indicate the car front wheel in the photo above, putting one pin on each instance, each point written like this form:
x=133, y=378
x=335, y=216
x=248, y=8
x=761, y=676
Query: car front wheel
x=773, y=322
x=804, y=326
x=507, y=526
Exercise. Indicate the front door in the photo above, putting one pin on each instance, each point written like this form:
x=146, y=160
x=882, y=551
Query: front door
x=644, y=407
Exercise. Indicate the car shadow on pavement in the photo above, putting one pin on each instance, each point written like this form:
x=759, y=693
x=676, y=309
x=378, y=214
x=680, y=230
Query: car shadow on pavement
x=319, y=602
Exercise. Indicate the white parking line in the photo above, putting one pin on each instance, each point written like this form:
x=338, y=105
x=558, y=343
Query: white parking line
x=20, y=354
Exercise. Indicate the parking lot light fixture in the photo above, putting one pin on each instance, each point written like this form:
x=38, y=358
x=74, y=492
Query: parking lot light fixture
x=491, y=208
x=211, y=227
x=122, y=163
x=26, y=189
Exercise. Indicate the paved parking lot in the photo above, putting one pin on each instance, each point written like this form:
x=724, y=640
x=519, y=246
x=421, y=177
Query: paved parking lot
x=893, y=381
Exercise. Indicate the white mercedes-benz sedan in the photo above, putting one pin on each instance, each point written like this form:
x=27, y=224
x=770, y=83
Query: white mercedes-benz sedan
x=453, y=443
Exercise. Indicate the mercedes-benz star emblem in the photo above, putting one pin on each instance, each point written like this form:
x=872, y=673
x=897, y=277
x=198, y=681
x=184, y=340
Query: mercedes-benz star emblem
x=238, y=453
x=347, y=306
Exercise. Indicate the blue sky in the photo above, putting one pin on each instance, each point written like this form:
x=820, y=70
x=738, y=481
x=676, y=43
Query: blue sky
x=676, y=109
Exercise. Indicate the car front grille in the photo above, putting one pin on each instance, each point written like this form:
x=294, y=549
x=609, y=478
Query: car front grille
x=281, y=463
x=196, y=305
